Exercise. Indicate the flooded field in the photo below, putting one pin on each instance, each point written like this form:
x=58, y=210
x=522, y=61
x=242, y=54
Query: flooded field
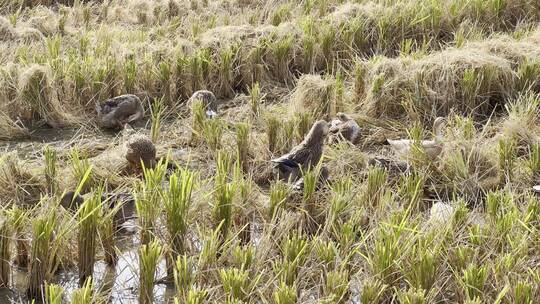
x=249, y=151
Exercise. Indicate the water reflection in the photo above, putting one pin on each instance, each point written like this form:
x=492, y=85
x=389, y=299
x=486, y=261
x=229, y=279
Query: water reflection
x=117, y=284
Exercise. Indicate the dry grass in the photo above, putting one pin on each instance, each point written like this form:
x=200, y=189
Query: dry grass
x=227, y=231
x=314, y=95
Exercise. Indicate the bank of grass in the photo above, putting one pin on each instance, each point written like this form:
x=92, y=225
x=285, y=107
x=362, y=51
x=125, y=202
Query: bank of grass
x=58, y=79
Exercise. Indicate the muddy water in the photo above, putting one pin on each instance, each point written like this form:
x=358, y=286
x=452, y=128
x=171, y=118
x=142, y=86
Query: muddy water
x=32, y=147
x=119, y=284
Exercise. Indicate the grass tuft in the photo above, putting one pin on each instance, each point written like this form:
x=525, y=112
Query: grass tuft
x=88, y=217
x=54, y=293
x=177, y=201
x=149, y=255
x=5, y=240
x=242, y=145
x=42, y=254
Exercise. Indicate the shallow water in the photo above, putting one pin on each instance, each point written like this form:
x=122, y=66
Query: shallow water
x=120, y=283
x=32, y=147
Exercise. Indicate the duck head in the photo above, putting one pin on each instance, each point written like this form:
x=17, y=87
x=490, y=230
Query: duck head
x=318, y=133
x=343, y=117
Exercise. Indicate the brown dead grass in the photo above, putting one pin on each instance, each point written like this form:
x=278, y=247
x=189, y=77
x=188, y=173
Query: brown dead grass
x=314, y=95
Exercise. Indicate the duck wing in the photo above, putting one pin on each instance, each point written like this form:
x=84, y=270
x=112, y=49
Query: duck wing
x=287, y=168
x=349, y=130
x=295, y=158
x=335, y=125
x=400, y=145
x=139, y=114
x=432, y=148
x=303, y=154
x=285, y=161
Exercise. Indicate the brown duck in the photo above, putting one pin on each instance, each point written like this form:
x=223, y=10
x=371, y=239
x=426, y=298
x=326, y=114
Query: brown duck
x=209, y=102
x=302, y=157
x=71, y=201
x=139, y=148
x=344, y=127
x=115, y=113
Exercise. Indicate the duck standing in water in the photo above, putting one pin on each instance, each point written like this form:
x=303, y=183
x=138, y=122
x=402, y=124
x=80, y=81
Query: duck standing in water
x=307, y=154
x=344, y=127
x=115, y=113
x=209, y=102
x=432, y=147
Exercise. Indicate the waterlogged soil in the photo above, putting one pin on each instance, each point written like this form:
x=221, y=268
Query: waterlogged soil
x=31, y=148
x=119, y=283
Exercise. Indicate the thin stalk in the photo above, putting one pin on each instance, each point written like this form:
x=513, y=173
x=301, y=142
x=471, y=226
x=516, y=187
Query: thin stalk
x=5, y=237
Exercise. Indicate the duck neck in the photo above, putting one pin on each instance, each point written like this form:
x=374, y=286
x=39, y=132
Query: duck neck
x=439, y=132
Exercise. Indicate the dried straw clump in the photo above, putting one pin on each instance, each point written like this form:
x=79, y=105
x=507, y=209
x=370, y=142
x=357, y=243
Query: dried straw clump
x=10, y=129
x=29, y=34
x=17, y=183
x=521, y=124
x=514, y=50
x=314, y=95
x=38, y=97
x=7, y=31
x=45, y=21
x=143, y=11
x=368, y=11
x=470, y=80
x=225, y=36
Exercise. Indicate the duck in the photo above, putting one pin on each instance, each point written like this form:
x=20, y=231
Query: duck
x=432, y=147
x=140, y=149
x=209, y=101
x=308, y=153
x=344, y=127
x=536, y=189
x=71, y=200
x=115, y=113
x=123, y=205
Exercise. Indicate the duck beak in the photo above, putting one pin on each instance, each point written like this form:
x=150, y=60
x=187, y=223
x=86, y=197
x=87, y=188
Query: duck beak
x=211, y=114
